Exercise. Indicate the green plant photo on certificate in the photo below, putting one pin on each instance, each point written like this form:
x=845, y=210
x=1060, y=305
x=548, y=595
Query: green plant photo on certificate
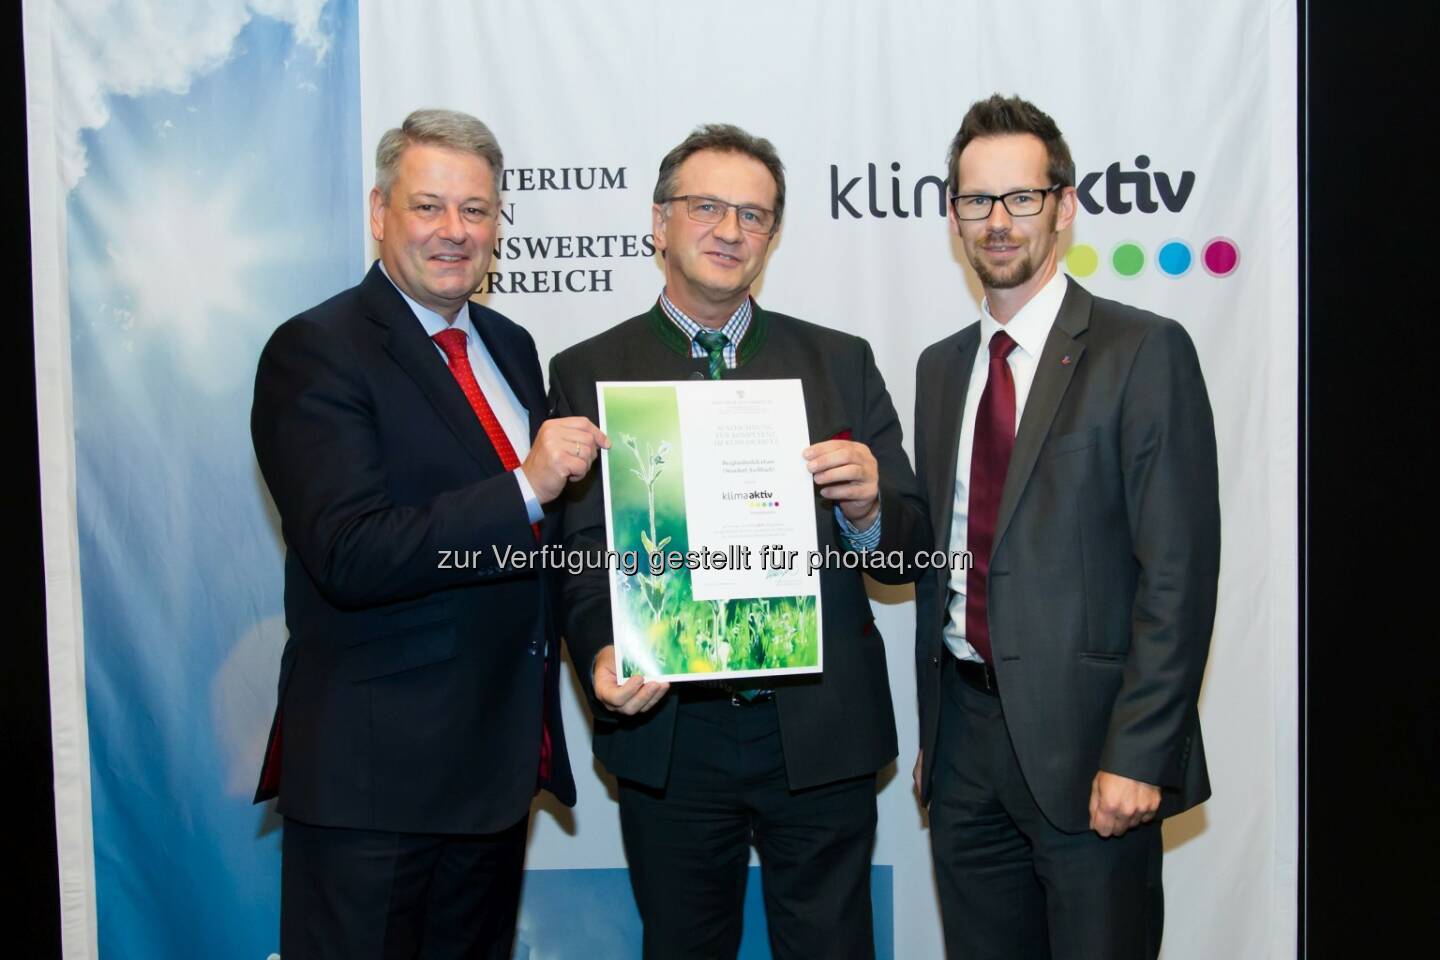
x=661, y=629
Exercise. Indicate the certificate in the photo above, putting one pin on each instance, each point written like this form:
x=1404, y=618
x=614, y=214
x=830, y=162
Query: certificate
x=710, y=520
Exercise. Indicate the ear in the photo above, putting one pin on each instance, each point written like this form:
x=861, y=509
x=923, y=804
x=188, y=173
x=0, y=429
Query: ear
x=657, y=226
x=1069, y=206
x=377, y=214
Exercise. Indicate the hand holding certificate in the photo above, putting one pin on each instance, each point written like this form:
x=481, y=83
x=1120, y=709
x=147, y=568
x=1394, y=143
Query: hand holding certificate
x=707, y=490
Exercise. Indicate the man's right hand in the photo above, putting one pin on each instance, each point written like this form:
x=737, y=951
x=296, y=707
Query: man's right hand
x=919, y=765
x=563, y=451
x=635, y=695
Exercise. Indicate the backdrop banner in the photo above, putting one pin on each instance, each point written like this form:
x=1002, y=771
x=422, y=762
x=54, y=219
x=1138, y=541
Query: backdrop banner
x=198, y=174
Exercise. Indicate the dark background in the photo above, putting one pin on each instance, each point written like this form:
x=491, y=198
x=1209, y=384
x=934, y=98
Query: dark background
x=1370, y=761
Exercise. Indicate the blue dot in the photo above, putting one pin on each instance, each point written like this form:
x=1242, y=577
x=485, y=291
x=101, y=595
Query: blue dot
x=1175, y=258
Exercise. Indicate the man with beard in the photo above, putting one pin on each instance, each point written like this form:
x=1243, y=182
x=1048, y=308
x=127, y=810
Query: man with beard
x=1068, y=445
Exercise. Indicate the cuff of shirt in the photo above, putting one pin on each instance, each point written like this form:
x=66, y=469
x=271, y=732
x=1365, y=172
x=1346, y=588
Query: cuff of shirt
x=532, y=502
x=855, y=538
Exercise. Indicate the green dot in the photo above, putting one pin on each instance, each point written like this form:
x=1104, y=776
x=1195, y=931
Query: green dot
x=1128, y=259
x=1082, y=260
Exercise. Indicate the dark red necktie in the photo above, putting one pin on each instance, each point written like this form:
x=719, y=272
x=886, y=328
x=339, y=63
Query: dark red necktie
x=989, y=459
x=453, y=342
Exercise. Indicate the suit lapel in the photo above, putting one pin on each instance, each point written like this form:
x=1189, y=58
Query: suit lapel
x=1052, y=379
x=953, y=389
x=417, y=356
x=512, y=368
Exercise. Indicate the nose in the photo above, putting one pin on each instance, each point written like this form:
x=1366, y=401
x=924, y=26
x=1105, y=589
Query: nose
x=999, y=219
x=728, y=229
x=452, y=226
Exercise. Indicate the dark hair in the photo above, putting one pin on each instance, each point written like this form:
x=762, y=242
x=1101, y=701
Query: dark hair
x=999, y=116
x=726, y=138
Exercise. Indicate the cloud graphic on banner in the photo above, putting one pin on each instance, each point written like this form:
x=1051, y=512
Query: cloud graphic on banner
x=105, y=48
x=187, y=265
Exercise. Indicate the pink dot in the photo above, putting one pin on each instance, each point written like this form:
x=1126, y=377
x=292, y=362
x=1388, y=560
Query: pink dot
x=1221, y=257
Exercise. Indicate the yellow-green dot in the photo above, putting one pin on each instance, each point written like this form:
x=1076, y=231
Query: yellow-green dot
x=1128, y=259
x=1082, y=260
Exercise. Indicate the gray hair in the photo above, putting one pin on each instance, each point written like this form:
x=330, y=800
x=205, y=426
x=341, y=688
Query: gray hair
x=724, y=138
x=440, y=128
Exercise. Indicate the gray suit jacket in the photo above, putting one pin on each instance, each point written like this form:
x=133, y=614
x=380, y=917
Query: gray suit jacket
x=1106, y=555
x=838, y=724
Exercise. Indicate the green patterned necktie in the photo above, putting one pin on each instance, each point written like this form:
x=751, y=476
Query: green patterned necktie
x=714, y=343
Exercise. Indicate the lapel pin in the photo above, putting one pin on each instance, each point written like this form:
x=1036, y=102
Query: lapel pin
x=1065, y=360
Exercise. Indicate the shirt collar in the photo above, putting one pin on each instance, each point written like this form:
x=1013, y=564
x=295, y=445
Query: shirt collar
x=1030, y=327
x=429, y=319
x=734, y=328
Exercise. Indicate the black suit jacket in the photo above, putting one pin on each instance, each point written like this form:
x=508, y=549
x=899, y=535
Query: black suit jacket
x=1105, y=559
x=411, y=693
x=836, y=725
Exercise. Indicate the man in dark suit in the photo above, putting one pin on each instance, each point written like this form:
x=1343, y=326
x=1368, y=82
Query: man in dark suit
x=1067, y=443
x=399, y=429
x=705, y=771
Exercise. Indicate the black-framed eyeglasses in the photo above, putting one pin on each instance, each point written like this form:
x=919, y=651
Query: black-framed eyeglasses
x=713, y=210
x=1018, y=203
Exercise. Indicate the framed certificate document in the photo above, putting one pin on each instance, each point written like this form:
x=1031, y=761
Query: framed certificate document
x=710, y=518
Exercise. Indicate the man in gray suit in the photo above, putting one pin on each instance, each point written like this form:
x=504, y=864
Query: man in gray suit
x=704, y=772
x=1069, y=446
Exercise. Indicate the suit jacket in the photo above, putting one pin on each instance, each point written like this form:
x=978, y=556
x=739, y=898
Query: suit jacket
x=1106, y=553
x=412, y=690
x=836, y=725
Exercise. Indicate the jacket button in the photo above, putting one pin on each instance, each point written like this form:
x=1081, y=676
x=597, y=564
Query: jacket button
x=935, y=661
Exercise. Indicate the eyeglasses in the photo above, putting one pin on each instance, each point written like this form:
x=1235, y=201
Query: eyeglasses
x=1018, y=203
x=711, y=210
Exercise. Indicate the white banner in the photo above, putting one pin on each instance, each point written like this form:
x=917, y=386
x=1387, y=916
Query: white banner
x=199, y=175
x=1182, y=123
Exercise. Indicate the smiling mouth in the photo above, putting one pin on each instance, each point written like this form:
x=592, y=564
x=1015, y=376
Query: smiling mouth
x=722, y=257
x=449, y=258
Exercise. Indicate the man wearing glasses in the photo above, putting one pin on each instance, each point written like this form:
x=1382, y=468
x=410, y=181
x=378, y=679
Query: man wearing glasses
x=1068, y=446
x=704, y=771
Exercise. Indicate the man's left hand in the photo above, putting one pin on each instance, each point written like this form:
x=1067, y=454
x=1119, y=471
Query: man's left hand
x=1118, y=803
x=847, y=473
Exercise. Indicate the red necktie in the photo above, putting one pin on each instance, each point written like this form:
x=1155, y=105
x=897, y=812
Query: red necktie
x=453, y=342
x=989, y=459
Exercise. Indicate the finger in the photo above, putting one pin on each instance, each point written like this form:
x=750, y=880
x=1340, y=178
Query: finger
x=839, y=475
x=837, y=472
x=570, y=423
x=648, y=698
x=850, y=491
x=1148, y=816
x=822, y=448
x=618, y=696
x=830, y=461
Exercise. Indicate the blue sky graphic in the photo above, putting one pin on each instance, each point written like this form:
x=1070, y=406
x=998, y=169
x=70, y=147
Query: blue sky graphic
x=204, y=220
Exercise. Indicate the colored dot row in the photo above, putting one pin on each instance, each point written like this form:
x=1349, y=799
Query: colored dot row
x=1219, y=257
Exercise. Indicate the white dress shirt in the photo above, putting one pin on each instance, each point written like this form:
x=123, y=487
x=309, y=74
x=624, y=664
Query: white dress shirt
x=1029, y=328
x=513, y=416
